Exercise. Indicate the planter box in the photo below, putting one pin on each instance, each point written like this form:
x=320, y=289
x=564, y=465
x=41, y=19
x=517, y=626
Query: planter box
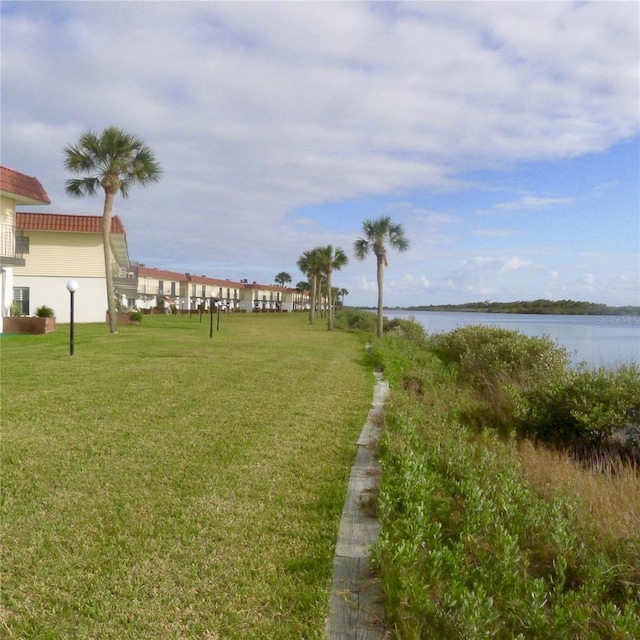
x=122, y=318
x=19, y=324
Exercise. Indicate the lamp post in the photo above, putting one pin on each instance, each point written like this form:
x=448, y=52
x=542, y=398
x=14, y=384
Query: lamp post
x=72, y=287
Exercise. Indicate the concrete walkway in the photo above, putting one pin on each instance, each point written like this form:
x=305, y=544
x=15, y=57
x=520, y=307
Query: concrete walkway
x=356, y=598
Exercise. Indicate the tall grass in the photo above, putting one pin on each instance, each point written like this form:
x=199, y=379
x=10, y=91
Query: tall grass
x=609, y=498
x=162, y=484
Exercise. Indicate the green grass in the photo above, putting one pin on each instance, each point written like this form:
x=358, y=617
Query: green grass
x=162, y=484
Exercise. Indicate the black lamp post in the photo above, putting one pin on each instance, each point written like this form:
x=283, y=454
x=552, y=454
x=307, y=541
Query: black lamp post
x=72, y=287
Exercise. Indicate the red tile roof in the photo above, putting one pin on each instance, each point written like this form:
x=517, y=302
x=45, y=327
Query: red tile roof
x=28, y=189
x=214, y=281
x=65, y=222
x=160, y=274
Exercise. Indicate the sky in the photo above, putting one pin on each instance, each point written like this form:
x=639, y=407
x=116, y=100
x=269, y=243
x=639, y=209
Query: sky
x=503, y=136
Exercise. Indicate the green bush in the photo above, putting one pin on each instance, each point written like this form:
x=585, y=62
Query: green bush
x=583, y=407
x=135, y=316
x=496, y=365
x=15, y=309
x=356, y=319
x=491, y=354
x=409, y=329
x=45, y=312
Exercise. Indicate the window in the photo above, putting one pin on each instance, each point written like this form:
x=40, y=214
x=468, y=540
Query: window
x=204, y=291
x=21, y=296
x=22, y=245
x=193, y=290
x=160, y=286
x=173, y=288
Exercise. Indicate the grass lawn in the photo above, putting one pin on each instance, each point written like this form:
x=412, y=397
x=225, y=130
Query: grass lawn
x=162, y=484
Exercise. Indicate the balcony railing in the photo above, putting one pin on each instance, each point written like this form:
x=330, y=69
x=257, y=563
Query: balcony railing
x=125, y=280
x=10, y=250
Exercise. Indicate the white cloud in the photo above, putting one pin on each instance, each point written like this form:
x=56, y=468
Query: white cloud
x=256, y=110
x=528, y=201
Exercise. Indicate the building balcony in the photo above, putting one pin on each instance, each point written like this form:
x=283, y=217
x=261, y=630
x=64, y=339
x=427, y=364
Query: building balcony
x=11, y=246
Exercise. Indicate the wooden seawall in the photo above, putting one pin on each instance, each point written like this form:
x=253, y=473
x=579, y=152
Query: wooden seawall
x=356, y=599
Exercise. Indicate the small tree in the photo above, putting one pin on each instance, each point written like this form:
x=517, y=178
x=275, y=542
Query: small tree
x=311, y=266
x=282, y=279
x=331, y=260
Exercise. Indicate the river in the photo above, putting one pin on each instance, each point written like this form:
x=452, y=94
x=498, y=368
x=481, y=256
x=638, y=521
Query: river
x=598, y=341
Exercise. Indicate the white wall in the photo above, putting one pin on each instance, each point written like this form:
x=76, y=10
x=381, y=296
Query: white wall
x=6, y=292
x=90, y=300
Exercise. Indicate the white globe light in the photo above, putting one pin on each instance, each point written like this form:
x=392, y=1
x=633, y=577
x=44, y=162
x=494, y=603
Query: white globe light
x=72, y=286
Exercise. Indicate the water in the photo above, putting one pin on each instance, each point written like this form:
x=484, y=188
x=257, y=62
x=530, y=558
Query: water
x=598, y=341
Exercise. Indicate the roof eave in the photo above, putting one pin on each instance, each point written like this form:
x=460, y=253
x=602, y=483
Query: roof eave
x=19, y=200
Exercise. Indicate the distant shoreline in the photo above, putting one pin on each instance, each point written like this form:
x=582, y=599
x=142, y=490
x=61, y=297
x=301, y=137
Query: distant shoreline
x=535, y=307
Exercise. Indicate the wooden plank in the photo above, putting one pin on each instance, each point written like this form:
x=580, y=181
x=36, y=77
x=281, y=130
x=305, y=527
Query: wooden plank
x=356, y=605
x=356, y=602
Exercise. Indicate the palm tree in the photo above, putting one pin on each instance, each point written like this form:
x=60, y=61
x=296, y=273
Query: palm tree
x=331, y=260
x=115, y=161
x=310, y=265
x=282, y=278
x=301, y=288
x=377, y=233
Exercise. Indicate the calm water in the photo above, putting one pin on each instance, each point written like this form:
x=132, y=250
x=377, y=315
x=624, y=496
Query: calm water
x=600, y=341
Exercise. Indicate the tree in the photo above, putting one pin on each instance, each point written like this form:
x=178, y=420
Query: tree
x=331, y=260
x=377, y=234
x=310, y=265
x=301, y=288
x=115, y=161
x=282, y=278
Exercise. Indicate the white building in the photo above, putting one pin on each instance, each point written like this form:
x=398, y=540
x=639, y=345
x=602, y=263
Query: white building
x=15, y=189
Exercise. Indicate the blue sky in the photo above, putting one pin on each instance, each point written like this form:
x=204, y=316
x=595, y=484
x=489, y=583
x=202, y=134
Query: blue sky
x=503, y=136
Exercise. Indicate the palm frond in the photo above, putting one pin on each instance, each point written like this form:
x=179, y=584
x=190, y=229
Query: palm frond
x=80, y=187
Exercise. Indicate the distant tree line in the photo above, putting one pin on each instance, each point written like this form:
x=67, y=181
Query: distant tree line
x=552, y=307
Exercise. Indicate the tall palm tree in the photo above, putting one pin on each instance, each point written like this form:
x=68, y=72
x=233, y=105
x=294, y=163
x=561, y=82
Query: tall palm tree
x=115, y=161
x=311, y=266
x=331, y=260
x=282, y=278
x=377, y=234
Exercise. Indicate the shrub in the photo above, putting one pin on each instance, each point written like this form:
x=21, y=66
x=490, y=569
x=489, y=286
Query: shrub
x=496, y=365
x=135, y=316
x=45, y=312
x=581, y=407
x=15, y=309
x=488, y=354
x=356, y=319
x=409, y=329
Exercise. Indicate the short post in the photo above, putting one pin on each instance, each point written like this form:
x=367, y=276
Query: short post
x=211, y=318
x=72, y=287
x=219, y=304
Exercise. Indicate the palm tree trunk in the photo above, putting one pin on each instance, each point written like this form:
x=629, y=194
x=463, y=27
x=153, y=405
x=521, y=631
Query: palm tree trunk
x=329, y=309
x=106, y=243
x=380, y=275
x=313, y=299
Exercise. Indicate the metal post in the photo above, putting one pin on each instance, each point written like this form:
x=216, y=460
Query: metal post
x=71, y=336
x=72, y=287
